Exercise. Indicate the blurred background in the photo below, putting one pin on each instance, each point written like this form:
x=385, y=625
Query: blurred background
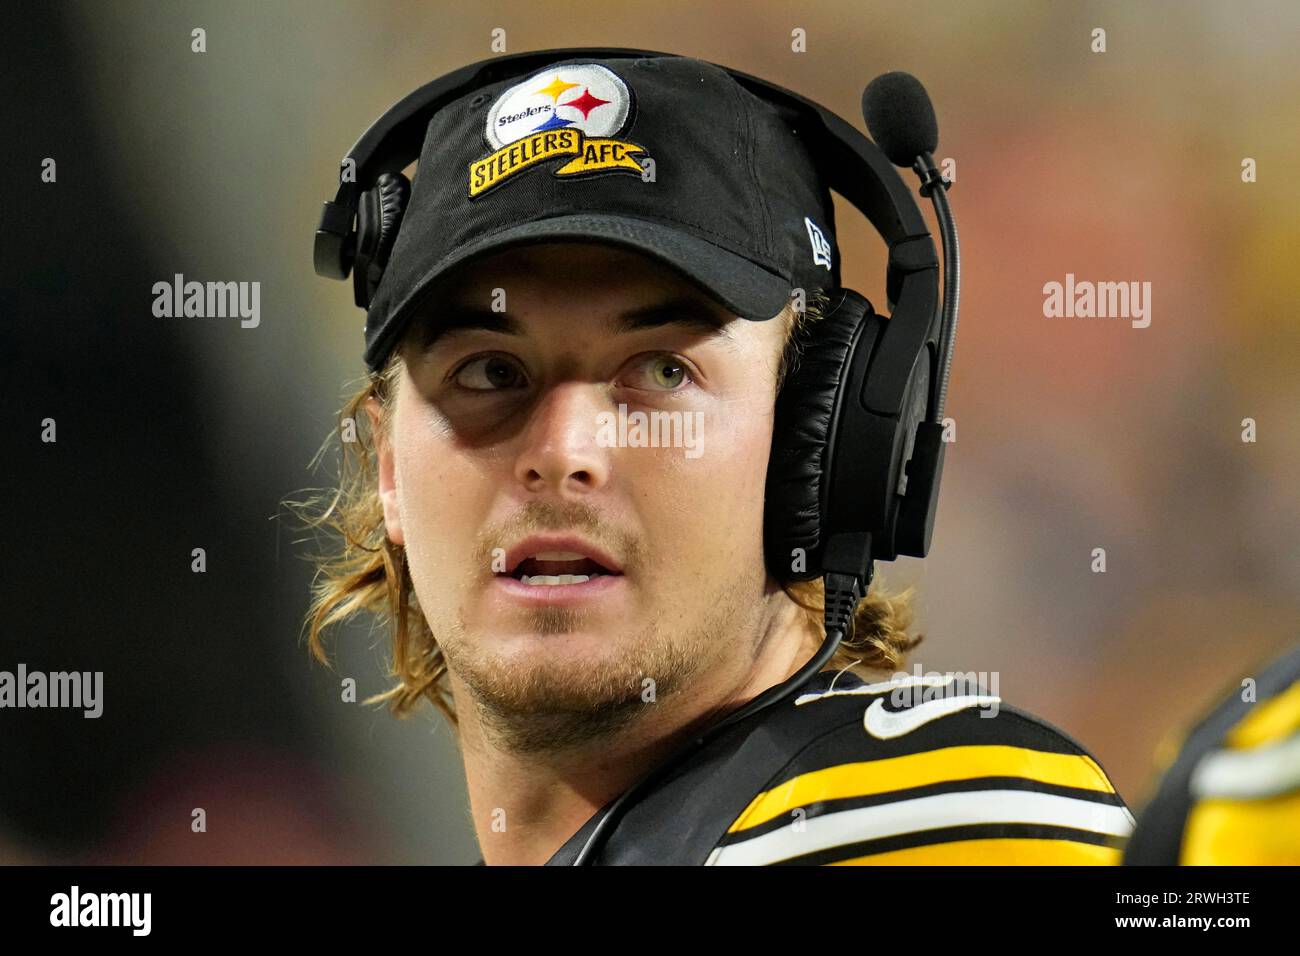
x=1072, y=433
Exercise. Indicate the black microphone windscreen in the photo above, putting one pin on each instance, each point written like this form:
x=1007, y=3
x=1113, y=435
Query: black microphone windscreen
x=900, y=117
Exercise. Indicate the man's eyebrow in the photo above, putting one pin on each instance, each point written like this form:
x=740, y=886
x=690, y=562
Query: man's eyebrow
x=463, y=317
x=685, y=312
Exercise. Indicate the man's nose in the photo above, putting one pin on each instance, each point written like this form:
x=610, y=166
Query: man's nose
x=559, y=450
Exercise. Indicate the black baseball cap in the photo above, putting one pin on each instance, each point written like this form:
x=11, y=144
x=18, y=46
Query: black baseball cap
x=666, y=155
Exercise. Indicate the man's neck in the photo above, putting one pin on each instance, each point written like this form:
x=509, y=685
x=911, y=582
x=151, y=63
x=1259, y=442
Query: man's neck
x=526, y=806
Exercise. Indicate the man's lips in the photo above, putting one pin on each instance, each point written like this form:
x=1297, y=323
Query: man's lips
x=550, y=557
x=552, y=543
x=601, y=588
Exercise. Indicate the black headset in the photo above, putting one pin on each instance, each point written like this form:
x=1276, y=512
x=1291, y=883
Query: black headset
x=857, y=447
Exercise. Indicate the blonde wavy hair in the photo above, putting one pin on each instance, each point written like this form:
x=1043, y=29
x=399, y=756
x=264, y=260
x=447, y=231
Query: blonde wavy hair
x=361, y=570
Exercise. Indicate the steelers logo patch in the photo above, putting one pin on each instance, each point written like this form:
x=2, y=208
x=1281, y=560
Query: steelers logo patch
x=586, y=97
x=572, y=112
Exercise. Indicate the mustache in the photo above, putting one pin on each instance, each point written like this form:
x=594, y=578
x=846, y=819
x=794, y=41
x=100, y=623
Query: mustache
x=560, y=517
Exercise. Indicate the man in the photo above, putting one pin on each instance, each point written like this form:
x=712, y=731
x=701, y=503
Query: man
x=583, y=595
x=1231, y=794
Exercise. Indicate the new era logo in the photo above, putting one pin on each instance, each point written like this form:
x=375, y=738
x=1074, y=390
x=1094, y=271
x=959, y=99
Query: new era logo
x=821, y=249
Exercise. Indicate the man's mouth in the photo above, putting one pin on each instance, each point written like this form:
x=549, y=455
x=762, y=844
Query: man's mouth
x=557, y=569
x=550, y=579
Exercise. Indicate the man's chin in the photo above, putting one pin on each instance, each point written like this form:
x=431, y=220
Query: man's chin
x=552, y=706
x=558, y=692
x=573, y=678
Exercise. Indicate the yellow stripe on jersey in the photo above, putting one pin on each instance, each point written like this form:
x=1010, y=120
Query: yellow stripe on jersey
x=949, y=817
x=943, y=765
x=1267, y=722
x=997, y=852
x=1243, y=833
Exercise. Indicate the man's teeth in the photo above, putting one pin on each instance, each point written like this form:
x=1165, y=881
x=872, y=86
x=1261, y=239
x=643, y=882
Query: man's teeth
x=552, y=579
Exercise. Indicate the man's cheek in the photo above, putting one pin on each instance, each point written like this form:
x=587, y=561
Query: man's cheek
x=728, y=477
x=431, y=520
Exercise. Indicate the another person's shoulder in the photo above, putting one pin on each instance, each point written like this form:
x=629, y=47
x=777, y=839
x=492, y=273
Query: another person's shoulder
x=1231, y=795
x=925, y=770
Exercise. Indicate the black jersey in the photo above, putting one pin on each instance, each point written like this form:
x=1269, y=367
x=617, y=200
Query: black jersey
x=842, y=774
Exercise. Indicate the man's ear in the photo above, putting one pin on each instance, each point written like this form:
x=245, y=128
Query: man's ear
x=387, y=475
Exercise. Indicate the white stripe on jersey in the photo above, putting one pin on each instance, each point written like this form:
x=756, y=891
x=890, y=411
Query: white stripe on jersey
x=923, y=813
x=1268, y=771
x=882, y=687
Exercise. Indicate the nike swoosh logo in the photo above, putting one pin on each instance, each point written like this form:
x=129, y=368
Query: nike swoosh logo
x=887, y=724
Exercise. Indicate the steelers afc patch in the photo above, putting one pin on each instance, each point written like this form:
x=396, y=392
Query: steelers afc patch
x=572, y=113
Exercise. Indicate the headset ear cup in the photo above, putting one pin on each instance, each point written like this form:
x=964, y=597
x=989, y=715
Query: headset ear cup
x=379, y=216
x=798, y=469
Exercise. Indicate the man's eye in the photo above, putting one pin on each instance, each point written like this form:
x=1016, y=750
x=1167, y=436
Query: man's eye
x=666, y=372
x=487, y=373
